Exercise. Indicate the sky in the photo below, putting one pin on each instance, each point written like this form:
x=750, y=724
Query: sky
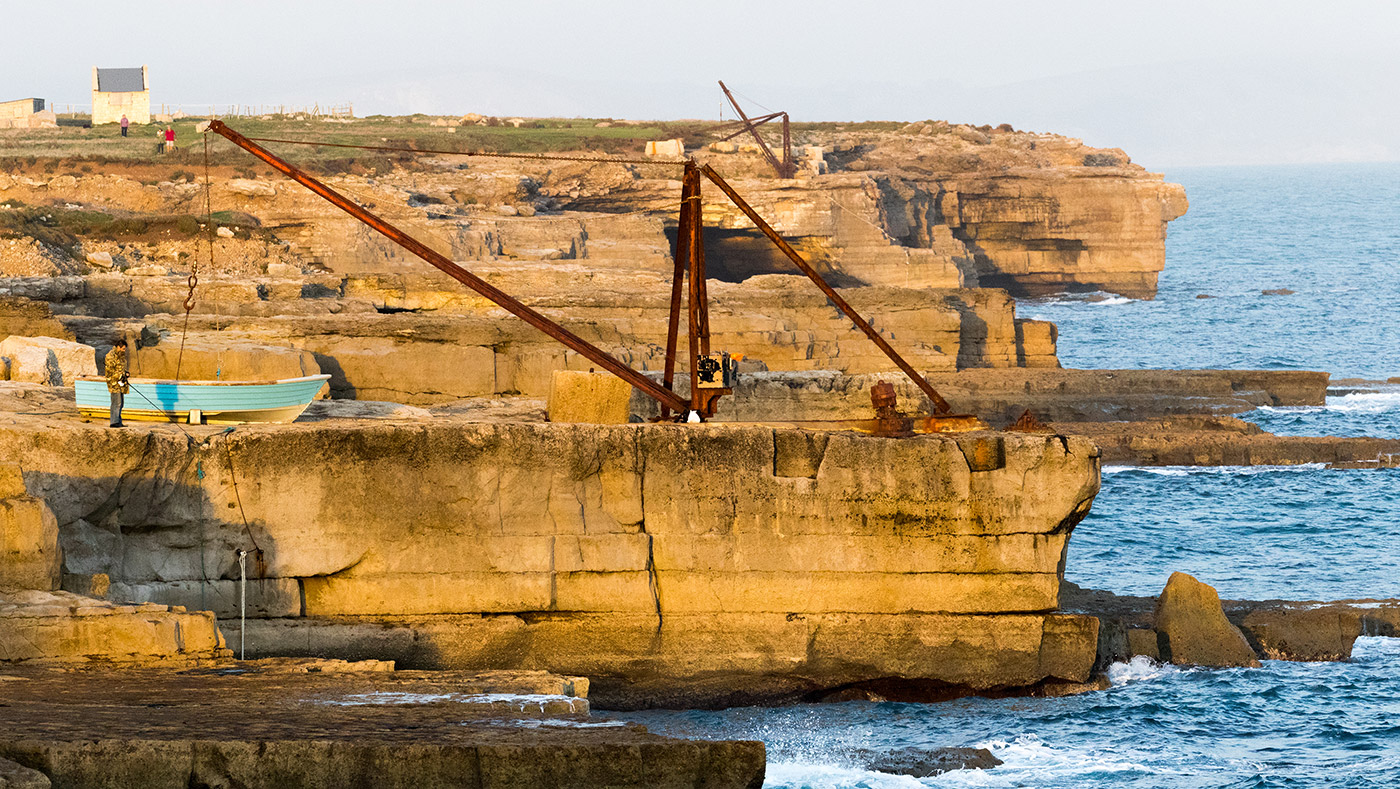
x=1173, y=84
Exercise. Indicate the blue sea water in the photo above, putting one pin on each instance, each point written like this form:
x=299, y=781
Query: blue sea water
x=1332, y=235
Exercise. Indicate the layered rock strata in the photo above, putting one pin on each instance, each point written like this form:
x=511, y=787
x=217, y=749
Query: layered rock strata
x=438, y=342
x=644, y=556
x=1225, y=441
x=941, y=207
x=257, y=726
x=41, y=625
x=1107, y=399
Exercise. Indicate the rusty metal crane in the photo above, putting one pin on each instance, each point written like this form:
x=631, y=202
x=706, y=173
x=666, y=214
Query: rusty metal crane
x=711, y=375
x=785, y=167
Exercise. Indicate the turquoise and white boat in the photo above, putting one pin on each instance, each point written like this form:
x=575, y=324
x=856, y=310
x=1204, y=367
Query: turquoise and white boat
x=203, y=402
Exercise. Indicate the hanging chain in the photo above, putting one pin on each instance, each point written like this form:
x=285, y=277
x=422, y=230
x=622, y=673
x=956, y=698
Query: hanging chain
x=193, y=280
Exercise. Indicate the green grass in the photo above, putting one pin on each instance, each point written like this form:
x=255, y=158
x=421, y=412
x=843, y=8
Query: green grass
x=537, y=135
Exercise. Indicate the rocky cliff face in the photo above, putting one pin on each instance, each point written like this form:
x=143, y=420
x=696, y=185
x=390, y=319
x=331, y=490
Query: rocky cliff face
x=927, y=206
x=659, y=559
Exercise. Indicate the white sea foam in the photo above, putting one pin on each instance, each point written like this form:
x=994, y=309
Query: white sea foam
x=1183, y=471
x=523, y=701
x=815, y=775
x=559, y=723
x=1365, y=403
x=1098, y=298
x=1140, y=668
x=1029, y=762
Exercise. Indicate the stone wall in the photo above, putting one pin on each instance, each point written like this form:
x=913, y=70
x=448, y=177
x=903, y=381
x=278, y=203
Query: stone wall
x=629, y=553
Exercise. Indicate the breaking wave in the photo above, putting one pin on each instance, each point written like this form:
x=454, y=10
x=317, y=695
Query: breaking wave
x=1140, y=668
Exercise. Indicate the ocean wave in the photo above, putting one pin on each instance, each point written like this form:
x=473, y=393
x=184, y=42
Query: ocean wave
x=816, y=775
x=1365, y=403
x=1097, y=298
x=1028, y=758
x=397, y=698
x=1354, y=403
x=1140, y=668
x=1183, y=471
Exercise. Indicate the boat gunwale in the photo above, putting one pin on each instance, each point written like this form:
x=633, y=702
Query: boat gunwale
x=188, y=382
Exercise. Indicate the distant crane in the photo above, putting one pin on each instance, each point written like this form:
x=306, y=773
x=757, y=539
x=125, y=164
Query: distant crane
x=785, y=167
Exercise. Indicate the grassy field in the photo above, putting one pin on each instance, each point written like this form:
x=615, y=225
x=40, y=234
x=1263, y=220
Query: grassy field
x=105, y=143
x=65, y=149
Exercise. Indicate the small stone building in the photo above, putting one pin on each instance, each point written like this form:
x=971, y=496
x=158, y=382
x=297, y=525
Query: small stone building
x=26, y=114
x=120, y=91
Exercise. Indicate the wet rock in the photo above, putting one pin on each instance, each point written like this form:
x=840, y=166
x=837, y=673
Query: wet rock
x=259, y=727
x=1277, y=292
x=1192, y=628
x=1299, y=633
x=1142, y=641
x=926, y=763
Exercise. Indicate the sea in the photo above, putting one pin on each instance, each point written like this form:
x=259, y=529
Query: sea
x=1326, y=239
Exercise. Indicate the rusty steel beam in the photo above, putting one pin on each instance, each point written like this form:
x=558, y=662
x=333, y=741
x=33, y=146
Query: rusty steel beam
x=689, y=181
x=939, y=403
x=780, y=167
x=745, y=128
x=693, y=266
x=702, y=291
x=481, y=286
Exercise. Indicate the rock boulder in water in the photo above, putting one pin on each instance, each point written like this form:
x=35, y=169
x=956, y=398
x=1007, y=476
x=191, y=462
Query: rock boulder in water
x=1192, y=629
x=927, y=762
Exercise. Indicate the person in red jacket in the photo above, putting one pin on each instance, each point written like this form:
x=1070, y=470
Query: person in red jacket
x=169, y=139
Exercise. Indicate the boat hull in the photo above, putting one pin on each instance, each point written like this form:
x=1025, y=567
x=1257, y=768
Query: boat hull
x=216, y=402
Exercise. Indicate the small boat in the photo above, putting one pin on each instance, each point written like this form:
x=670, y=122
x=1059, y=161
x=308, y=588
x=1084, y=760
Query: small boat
x=203, y=402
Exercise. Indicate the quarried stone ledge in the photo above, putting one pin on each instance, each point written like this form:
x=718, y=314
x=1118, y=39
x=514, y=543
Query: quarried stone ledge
x=623, y=552
x=255, y=728
x=713, y=661
x=1000, y=396
x=1226, y=441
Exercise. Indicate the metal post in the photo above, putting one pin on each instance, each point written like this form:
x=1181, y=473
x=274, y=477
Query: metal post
x=242, y=605
x=693, y=263
x=481, y=286
x=697, y=248
x=689, y=180
x=939, y=403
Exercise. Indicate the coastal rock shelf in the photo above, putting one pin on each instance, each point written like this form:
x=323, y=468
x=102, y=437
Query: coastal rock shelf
x=265, y=727
x=636, y=555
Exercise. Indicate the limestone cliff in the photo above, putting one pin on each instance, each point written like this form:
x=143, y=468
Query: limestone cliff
x=713, y=564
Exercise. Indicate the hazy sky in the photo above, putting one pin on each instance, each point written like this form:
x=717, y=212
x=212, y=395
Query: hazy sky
x=1171, y=83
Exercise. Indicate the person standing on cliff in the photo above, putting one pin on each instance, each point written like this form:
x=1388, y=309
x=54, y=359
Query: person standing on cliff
x=117, y=383
x=169, y=139
x=125, y=124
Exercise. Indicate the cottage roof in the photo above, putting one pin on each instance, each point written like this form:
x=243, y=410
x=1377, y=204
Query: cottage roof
x=120, y=80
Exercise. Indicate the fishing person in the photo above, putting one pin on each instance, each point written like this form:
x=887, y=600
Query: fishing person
x=117, y=381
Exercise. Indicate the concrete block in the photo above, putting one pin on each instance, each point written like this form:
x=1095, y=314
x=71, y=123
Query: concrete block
x=590, y=397
x=29, y=554
x=48, y=360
